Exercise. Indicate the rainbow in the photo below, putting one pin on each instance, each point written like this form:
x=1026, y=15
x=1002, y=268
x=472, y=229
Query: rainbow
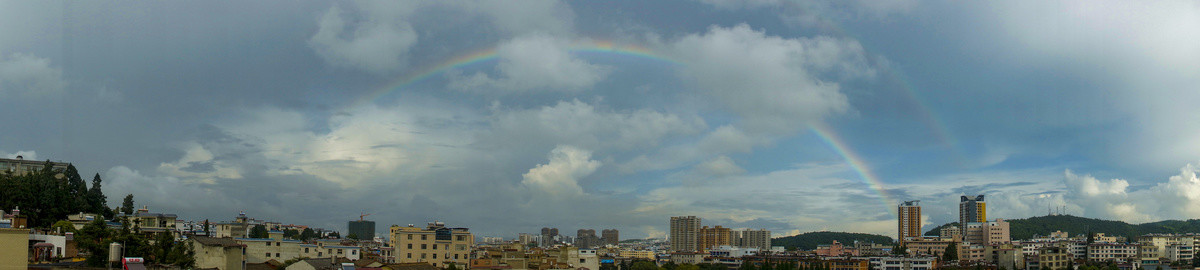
x=829, y=137
x=490, y=54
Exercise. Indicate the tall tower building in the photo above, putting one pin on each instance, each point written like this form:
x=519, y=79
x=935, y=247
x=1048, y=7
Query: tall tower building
x=971, y=210
x=712, y=237
x=610, y=237
x=684, y=232
x=586, y=238
x=909, y=220
x=362, y=229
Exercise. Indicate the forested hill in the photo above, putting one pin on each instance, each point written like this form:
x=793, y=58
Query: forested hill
x=809, y=241
x=1044, y=225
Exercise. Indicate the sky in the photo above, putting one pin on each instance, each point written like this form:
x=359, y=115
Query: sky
x=506, y=117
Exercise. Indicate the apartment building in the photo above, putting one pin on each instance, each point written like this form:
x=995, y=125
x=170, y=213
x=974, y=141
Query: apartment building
x=435, y=244
x=909, y=220
x=712, y=237
x=20, y=166
x=1111, y=252
x=684, y=233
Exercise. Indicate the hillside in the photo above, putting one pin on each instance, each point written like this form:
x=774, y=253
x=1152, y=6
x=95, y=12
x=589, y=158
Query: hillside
x=809, y=241
x=1044, y=225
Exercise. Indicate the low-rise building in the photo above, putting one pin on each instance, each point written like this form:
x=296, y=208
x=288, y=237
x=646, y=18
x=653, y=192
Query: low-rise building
x=1051, y=257
x=638, y=254
x=1112, y=252
x=435, y=244
x=835, y=249
x=219, y=253
x=904, y=263
x=14, y=252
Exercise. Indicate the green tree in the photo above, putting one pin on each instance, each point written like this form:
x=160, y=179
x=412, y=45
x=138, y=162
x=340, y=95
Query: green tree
x=644, y=265
x=94, y=239
x=127, y=205
x=307, y=234
x=451, y=266
x=746, y=265
x=291, y=233
x=951, y=253
x=182, y=256
x=608, y=266
x=670, y=266
x=1071, y=264
x=63, y=226
x=96, y=200
x=352, y=236
x=162, y=247
x=259, y=231
x=335, y=235
x=688, y=266
x=900, y=250
x=206, y=229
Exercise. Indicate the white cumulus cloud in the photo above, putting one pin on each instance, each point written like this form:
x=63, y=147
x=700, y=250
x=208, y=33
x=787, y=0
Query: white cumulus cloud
x=29, y=76
x=535, y=62
x=376, y=44
x=559, y=178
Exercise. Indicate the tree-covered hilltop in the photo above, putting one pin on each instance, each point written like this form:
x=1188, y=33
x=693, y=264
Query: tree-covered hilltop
x=810, y=240
x=1029, y=227
x=47, y=195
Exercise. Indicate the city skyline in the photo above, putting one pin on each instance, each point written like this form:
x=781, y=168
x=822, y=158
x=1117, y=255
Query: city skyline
x=786, y=116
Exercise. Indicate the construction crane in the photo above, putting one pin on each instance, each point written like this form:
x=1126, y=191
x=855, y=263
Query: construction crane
x=361, y=216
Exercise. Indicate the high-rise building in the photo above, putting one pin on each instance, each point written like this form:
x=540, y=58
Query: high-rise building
x=610, y=237
x=909, y=220
x=586, y=238
x=971, y=210
x=712, y=237
x=435, y=244
x=760, y=239
x=362, y=229
x=684, y=230
x=549, y=236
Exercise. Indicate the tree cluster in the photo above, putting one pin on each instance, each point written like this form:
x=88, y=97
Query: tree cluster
x=809, y=241
x=96, y=237
x=47, y=195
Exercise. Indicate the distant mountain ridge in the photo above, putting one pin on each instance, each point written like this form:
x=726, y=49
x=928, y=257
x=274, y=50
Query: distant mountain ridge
x=1026, y=228
x=810, y=240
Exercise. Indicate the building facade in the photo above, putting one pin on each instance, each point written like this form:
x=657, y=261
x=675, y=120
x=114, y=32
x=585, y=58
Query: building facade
x=218, y=253
x=971, y=210
x=760, y=239
x=712, y=237
x=610, y=237
x=684, y=233
x=435, y=244
x=909, y=220
x=363, y=229
x=20, y=166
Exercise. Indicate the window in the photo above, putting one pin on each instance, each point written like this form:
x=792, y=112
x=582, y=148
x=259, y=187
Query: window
x=268, y=244
x=435, y=255
x=422, y=246
x=410, y=255
x=268, y=255
x=353, y=252
x=409, y=246
x=456, y=257
x=276, y=255
x=319, y=254
x=340, y=251
x=277, y=244
x=410, y=237
x=422, y=255
x=434, y=246
x=423, y=236
x=460, y=237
